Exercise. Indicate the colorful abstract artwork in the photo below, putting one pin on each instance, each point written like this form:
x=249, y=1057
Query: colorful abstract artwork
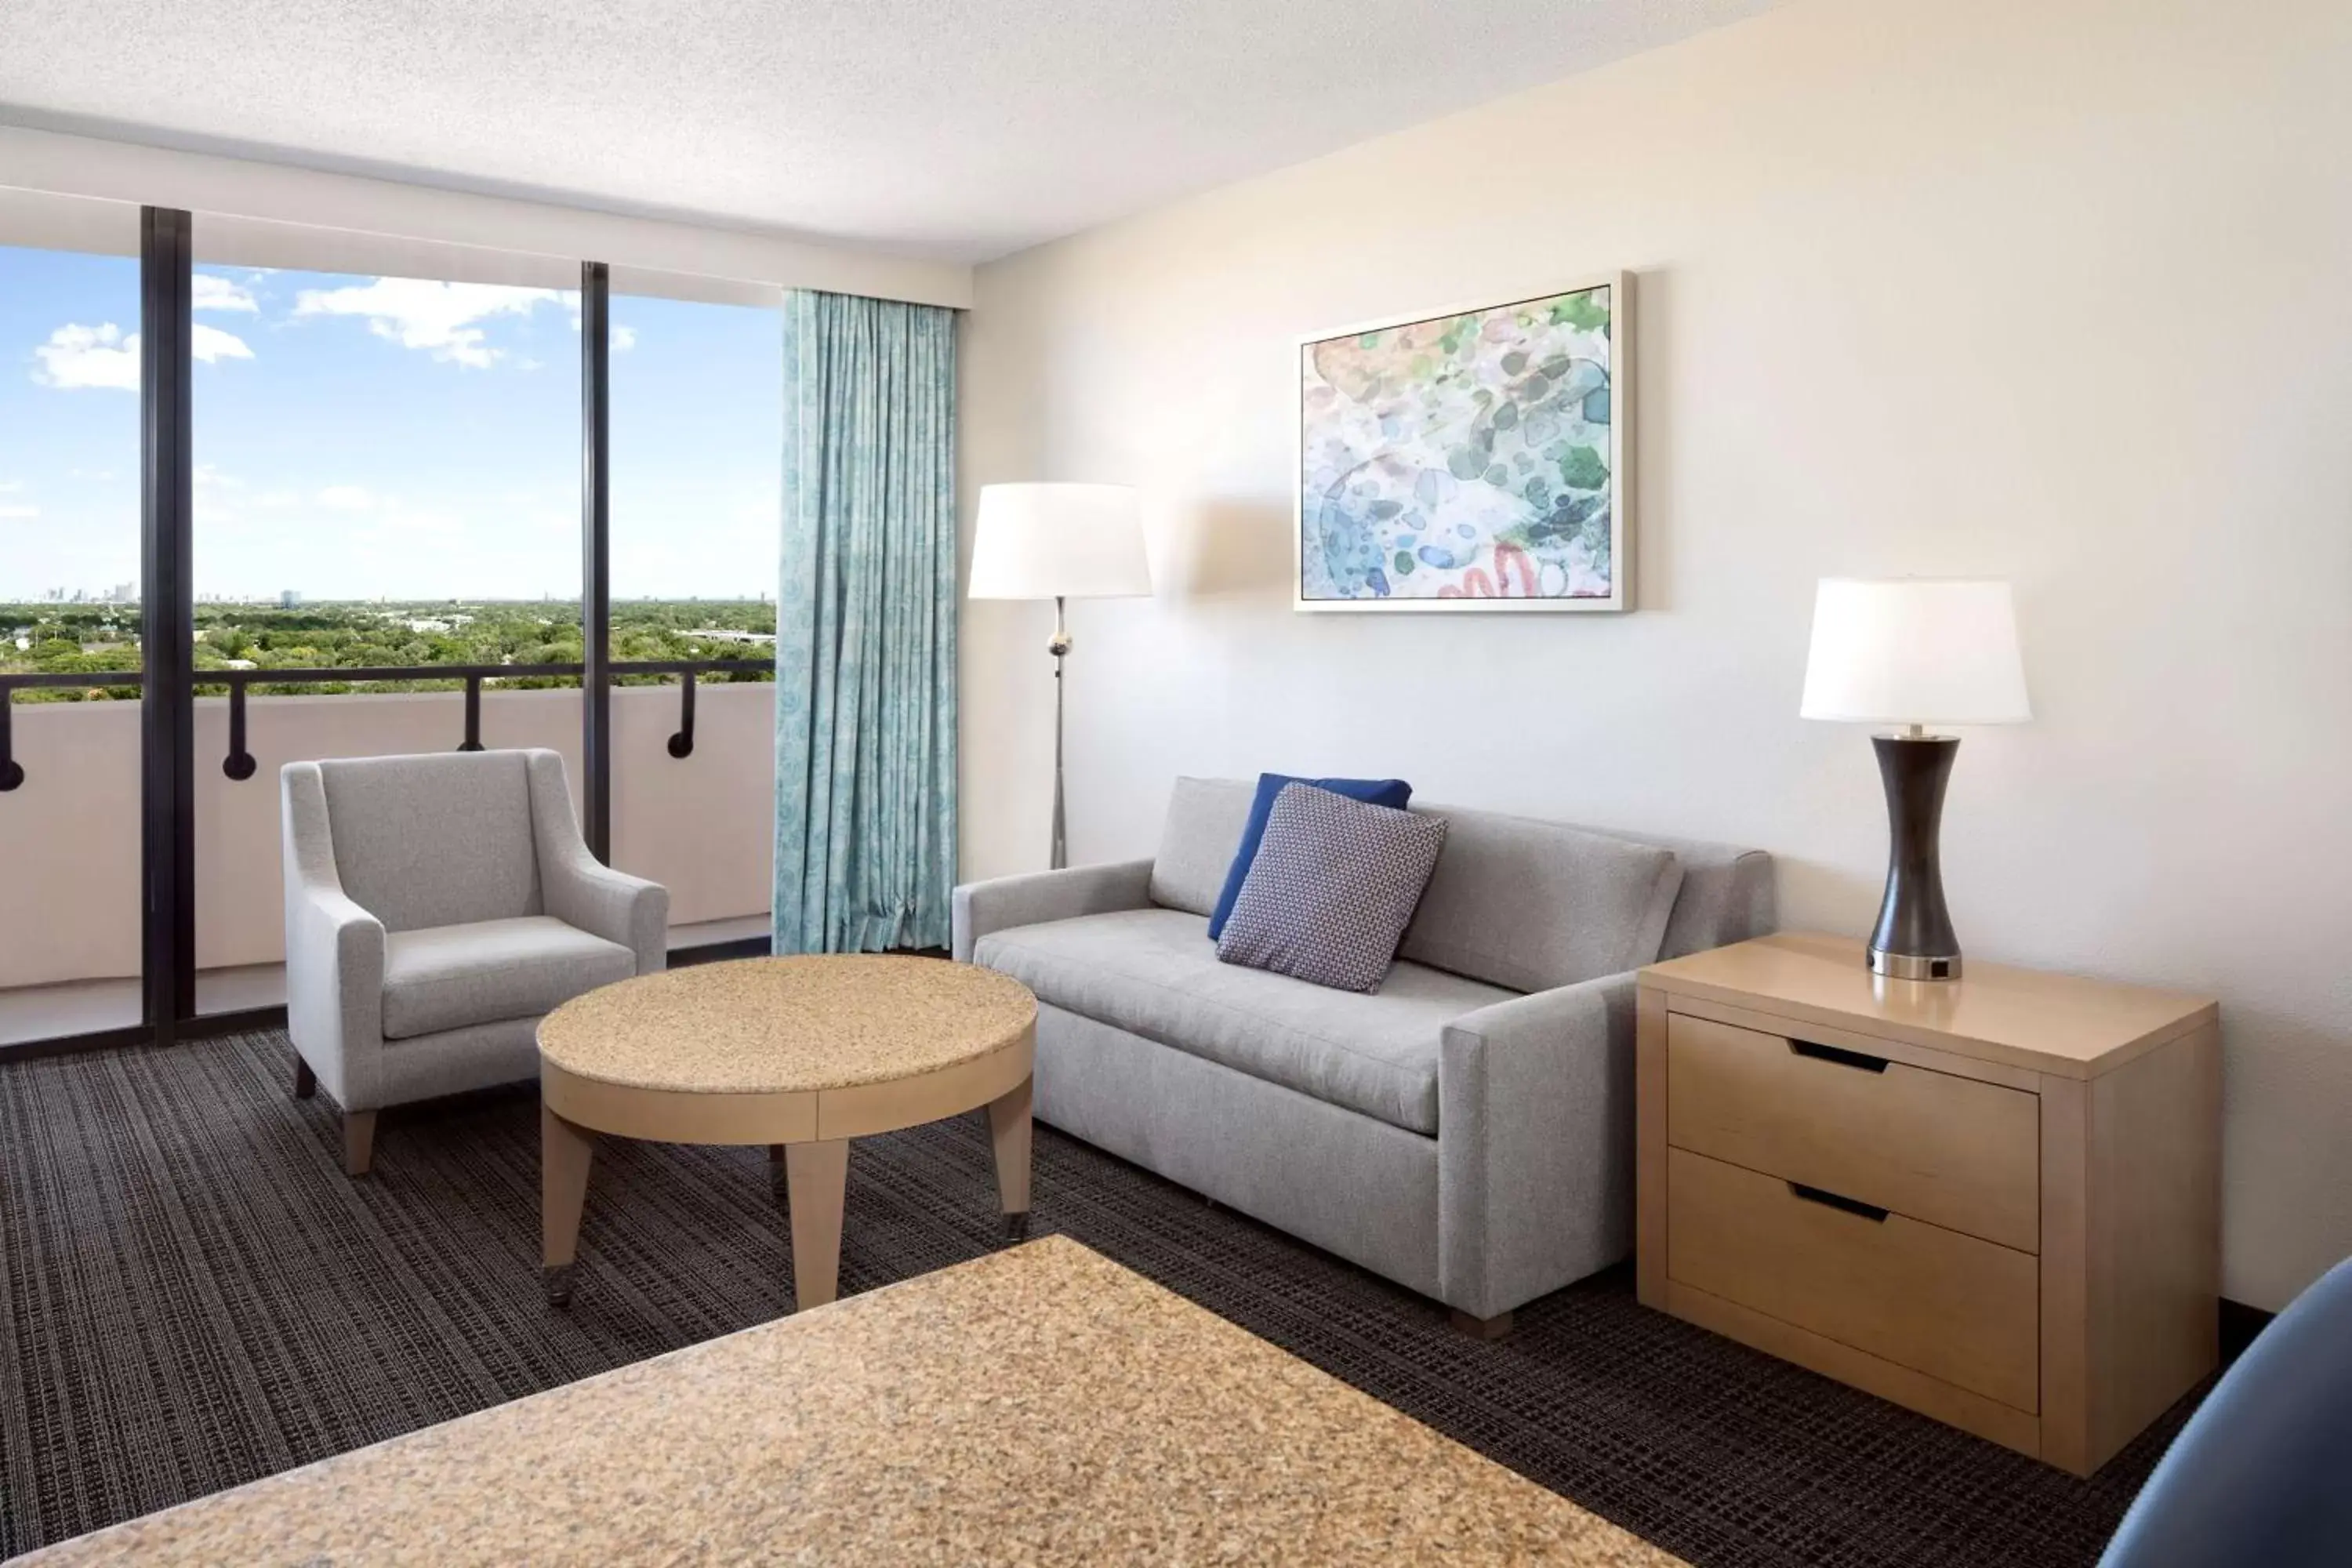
x=1467, y=461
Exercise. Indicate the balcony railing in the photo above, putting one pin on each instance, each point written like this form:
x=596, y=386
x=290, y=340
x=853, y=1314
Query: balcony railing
x=699, y=818
x=238, y=764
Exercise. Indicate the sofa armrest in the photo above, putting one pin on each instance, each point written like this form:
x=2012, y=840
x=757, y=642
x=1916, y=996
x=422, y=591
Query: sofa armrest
x=334, y=953
x=1535, y=1143
x=582, y=892
x=1041, y=896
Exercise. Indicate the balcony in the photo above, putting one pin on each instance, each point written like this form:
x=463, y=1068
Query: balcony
x=701, y=824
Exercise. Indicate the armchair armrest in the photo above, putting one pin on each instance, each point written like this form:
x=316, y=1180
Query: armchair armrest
x=582, y=892
x=1535, y=1145
x=1004, y=902
x=334, y=953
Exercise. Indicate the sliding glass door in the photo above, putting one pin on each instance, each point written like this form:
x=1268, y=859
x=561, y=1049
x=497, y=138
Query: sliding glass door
x=697, y=477
x=386, y=534
x=70, y=611
x=271, y=493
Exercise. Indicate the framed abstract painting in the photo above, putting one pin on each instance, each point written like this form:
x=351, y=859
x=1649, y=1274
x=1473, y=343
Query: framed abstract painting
x=1468, y=459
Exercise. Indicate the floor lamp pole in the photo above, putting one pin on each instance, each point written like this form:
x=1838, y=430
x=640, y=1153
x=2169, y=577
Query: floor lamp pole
x=1060, y=649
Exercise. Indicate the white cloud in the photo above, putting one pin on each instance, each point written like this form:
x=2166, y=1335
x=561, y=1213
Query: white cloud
x=105, y=356
x=443, y=318
x=624, y=338
x=17, y=514
x=347, y=498
x=77, y=356
x=212, y=345
x=215, y=292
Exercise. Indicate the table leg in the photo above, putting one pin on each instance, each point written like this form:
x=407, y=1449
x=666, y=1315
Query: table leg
x=1008, y=1129
x=776, y=1178
x=564, y=1153
x=817, y=1176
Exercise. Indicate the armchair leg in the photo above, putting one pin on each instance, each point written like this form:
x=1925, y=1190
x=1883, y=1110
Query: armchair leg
x=1493, y=1328
x=359, y=1141
x=305, y=1082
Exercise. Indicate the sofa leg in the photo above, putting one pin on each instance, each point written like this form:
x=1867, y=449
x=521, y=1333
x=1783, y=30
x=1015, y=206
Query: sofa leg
x=305, y=1082
x=359, y=1141
x=1493, y=1328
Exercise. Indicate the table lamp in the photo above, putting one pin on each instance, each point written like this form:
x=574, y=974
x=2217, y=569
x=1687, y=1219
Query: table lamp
x=1914, y=652
x=1059, y=542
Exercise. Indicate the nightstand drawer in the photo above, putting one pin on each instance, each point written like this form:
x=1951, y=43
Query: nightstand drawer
x=1962, y=1310
x=1955, y=1152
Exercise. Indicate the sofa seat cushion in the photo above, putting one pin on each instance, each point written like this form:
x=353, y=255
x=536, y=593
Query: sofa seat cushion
x=449, y=977
x=1154, y=973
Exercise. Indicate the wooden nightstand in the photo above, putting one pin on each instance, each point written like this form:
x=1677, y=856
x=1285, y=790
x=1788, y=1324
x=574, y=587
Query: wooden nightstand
x=1995, y=1200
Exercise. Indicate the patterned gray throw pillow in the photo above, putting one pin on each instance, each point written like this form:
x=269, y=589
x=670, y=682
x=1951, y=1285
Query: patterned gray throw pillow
x=1332, y=890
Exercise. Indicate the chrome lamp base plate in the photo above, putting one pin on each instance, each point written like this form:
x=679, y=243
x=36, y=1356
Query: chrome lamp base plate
x=1915, y=966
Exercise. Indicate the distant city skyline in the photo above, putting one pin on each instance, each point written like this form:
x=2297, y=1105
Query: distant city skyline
x=365, y=438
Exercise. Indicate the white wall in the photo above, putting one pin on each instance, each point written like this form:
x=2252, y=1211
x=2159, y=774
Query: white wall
x=703, y=826
x=2056, y=291
x=242, y=188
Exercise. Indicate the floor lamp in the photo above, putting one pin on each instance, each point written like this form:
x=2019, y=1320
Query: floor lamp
x=1059, y=542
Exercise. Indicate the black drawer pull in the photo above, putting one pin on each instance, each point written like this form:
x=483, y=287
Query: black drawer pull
x=1832, y=1200
x=1844, y=1058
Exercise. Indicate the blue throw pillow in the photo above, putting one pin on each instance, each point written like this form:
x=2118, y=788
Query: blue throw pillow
x=1393, y=793
x=1333, y=888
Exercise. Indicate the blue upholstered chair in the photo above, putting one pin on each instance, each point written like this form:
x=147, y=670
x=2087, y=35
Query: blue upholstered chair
x=2262, y=1472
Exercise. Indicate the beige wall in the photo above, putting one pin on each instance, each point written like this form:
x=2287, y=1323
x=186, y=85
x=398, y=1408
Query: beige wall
x=2054, y=289
x=703, y=826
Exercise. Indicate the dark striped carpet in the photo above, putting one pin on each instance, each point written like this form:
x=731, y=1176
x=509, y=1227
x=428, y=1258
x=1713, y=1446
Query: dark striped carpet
x=193, y=1295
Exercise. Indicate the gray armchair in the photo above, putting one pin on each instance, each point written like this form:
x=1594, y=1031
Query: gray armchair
x=436, y=908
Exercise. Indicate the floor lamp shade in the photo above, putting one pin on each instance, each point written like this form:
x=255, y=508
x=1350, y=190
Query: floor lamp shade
x=1914, y=652
x=1059, y=542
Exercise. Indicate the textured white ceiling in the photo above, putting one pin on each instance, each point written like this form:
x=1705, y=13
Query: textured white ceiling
x=960, y=128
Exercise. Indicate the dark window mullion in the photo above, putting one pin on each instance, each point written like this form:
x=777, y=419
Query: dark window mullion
x=167, y=615
x=595, y=559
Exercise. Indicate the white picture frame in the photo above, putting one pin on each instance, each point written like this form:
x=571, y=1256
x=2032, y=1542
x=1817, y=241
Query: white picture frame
x=1504, y=571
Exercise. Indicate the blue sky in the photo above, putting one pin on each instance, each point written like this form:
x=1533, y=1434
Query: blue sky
x=360, y=435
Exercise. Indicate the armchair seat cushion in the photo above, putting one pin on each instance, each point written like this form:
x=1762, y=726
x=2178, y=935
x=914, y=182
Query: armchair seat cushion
x=484, y=972
x=1154, y=973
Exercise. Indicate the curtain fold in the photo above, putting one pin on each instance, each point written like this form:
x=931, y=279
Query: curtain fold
x=866, y=627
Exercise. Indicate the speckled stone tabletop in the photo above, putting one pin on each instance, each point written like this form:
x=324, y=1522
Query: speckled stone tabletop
x=766, y=1025
x=1039, y=1405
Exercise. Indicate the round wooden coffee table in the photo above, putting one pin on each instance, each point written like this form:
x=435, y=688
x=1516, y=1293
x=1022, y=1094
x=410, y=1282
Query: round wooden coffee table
x=800, y=1054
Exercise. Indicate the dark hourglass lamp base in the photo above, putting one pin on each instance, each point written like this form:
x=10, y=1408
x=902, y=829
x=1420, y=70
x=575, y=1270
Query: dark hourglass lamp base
x=1914, y=938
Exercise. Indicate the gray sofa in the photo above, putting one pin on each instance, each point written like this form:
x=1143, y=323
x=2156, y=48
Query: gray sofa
x=1467, y=1131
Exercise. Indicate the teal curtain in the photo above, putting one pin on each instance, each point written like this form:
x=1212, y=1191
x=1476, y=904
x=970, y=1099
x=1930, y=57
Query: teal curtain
x=866, y=627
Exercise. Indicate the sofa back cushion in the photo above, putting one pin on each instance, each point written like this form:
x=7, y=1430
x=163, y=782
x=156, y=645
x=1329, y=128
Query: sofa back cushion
x=1532, y=905
x=1726, y=894
x=436, y=840
x=1197, y=845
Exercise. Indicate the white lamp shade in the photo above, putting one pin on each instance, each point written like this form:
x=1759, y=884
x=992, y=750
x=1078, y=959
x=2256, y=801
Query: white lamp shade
x=1050, y=542
x=1915, y=651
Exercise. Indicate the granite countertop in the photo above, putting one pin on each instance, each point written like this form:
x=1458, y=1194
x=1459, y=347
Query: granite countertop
x=1040, y=1406
x=780, y=1026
